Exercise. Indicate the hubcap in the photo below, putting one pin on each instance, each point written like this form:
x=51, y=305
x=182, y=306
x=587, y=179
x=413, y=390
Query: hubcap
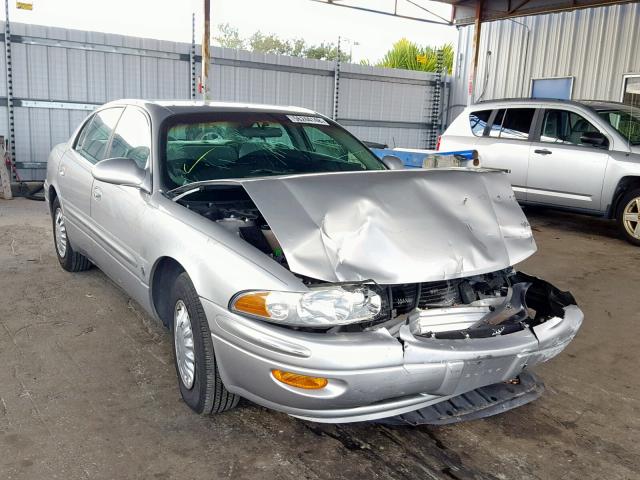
x=632, y=218
x=183, y=337
x=60, y=232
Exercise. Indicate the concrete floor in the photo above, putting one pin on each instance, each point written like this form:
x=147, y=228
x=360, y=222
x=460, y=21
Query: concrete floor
x=88, y=388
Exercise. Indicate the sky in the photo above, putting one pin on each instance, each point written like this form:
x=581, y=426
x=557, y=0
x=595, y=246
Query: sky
x=369, y=35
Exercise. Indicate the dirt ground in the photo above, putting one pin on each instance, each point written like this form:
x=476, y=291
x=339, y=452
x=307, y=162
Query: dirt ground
x=88, y=388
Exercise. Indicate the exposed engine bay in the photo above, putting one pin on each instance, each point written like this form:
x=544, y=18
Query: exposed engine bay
x=479, y=306
x=231, y=208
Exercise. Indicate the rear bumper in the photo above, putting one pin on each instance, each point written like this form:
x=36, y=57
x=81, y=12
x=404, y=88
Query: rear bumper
x=372, y=374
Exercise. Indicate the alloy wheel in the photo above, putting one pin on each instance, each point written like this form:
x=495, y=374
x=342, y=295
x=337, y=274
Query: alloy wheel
x=631, y=218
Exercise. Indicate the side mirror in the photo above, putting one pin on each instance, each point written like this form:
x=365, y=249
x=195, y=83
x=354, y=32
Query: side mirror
x=120, y=171
x=596, y=139
x=392, y=162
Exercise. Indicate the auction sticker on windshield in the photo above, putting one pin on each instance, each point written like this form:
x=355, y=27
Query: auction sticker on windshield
x=305, y=119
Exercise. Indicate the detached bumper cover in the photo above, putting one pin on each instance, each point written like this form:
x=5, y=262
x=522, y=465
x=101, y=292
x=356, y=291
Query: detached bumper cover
x=372, y=375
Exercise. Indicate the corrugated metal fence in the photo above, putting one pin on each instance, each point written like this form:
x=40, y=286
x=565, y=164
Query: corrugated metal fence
x=60, y=75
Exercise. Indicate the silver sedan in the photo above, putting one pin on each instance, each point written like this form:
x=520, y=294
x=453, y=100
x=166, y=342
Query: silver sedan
x=296, y=269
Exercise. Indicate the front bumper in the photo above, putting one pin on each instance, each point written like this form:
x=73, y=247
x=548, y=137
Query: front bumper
x=372, y=375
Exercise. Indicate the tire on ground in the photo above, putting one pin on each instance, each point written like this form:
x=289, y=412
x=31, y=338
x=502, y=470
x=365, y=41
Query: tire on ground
x=207, y=395
x=629, y=197
x=72, y=261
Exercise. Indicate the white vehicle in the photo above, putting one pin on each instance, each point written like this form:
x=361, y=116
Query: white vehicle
x=581, y=156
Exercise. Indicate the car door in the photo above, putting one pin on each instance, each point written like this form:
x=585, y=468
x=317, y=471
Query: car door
x=565, y=170
x=118, y=212
x=75, y=178
x=505, y=145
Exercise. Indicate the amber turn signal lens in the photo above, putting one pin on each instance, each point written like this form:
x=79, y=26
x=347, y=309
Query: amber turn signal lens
x=253, y=304
x=300, y=381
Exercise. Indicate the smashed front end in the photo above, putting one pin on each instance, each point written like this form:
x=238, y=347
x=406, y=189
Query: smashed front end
x=408, y=295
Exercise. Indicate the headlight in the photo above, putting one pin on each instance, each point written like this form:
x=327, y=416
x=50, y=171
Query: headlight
x=319, y=307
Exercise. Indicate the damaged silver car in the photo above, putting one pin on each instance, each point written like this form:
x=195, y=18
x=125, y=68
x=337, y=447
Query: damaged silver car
x=296, y=269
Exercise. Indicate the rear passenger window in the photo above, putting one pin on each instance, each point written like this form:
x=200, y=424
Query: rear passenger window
x=512, y=123
x=92, y=145
x=516, y=123
x=478, y=121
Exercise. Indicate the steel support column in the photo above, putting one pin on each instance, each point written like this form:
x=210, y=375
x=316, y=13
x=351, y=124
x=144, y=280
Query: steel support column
x=476, y=51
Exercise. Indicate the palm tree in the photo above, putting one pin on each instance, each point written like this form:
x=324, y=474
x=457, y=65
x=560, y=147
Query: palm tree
x=409, y=56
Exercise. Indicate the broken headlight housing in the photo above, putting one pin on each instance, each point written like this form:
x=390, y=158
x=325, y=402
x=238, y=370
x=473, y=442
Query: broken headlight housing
x=320, y=306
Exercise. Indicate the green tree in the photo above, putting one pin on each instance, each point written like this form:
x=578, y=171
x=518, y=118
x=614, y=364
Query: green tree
x=229, y=37
x=326, y=51
x=410, y=56
x=298, y=47
x=269, y=43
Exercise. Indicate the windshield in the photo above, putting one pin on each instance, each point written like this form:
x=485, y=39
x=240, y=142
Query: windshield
x=626, y=123
x=243, y=145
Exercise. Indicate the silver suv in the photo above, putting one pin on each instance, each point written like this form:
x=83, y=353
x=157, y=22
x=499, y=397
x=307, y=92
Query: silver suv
x=582, y=156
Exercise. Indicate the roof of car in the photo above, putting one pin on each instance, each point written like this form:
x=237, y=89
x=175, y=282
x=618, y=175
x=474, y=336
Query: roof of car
x=199, y=106
x=594, y=104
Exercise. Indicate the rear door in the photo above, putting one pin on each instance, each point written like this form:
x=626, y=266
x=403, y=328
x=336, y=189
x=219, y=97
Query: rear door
x=563, y=170
x=74, y=174
x=464, y=131
x=118, y=212
x=505, y=145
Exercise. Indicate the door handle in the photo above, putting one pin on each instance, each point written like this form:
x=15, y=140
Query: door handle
x=543, y=151
x=97, y=193
x=61, y=171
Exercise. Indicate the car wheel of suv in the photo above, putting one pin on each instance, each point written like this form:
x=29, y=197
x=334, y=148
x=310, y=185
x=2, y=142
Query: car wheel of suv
x=69, y=259
x=629, y=216
x=200, y=384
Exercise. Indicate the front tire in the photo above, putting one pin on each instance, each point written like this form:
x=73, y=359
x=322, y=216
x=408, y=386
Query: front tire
x=629, y=217
x=69, y=259
x=198, y=377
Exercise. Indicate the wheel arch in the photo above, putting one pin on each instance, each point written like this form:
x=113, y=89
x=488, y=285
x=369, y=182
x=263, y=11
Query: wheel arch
x=164, y=273
x=53, y=194
x=624, y=185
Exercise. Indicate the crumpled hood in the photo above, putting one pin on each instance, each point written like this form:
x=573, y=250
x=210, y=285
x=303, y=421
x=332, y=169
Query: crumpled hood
x=400, y=226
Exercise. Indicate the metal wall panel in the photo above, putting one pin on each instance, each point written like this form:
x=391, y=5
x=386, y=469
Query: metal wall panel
x=595, y=46
x=91, y=68
x=392, y=137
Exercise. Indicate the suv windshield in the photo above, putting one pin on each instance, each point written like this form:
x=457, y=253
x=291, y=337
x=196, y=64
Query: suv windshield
x=241, y=145
x=627, y=123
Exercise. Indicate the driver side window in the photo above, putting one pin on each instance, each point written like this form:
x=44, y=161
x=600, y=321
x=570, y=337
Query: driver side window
x=132, y=138
x=94, y=138
x=567, y=128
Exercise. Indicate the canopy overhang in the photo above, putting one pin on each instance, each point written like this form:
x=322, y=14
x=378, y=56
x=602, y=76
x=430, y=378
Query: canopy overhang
x=464, y=11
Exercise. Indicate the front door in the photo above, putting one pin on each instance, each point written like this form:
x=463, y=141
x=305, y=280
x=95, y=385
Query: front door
x=564, y=170
x=75, y=178
x=118, y=212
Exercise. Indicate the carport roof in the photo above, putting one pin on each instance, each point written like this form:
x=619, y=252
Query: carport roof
x=464, y=12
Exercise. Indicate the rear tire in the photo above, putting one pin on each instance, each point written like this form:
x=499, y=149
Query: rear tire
x=198, y=377
x=69, y=259
x=628, y=217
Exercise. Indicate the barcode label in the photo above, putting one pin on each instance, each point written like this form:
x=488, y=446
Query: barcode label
x=305, y=119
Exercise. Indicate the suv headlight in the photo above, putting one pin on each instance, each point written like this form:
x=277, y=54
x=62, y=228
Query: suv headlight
x=319, y=307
